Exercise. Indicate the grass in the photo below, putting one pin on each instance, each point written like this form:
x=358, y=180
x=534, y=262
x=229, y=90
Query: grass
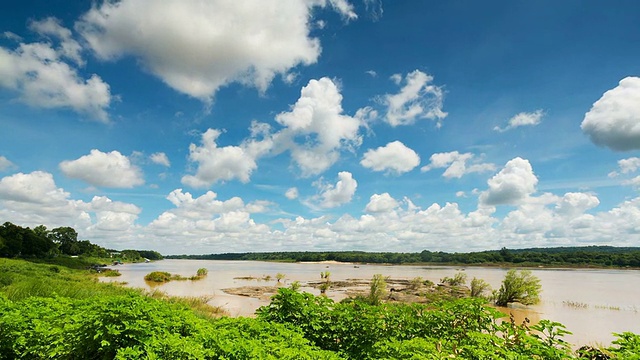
x=199, y=304
x=21, y=279
x=575, y=304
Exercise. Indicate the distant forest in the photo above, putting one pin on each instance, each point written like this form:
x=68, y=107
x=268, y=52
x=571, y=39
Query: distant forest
x=41, y=243
x=587, y=256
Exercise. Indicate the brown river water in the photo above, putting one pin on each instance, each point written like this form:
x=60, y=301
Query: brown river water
x=590, y=303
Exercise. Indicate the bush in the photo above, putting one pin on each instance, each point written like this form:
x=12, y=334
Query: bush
x=202, y=272
x=158, y=276
x=479, y=287
x=377, y=290
x=519, y=286
x=458, y=279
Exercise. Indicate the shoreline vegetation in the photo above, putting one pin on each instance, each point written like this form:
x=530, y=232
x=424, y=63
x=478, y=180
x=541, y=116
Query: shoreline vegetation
x=600, y=257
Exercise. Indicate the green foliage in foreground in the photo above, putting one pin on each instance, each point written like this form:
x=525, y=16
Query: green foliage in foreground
x=136, y=327
x=461, y=329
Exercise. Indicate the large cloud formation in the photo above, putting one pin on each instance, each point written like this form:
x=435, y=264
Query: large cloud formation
x=45, y=76
x=34, y=199
x=318, y=117
x=111, y=169
x=513, y=184
x=197, y=46
x=614, y=120
x=221, y=163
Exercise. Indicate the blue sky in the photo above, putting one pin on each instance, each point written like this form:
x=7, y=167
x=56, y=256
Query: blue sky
x=224, y=126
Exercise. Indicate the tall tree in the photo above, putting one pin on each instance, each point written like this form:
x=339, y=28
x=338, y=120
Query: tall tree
x=66, y=238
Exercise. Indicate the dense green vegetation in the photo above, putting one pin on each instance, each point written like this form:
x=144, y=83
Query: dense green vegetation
x=519, y=286
x=50, y=311
x=461, y=329
x=600, y=256
x=55, y=245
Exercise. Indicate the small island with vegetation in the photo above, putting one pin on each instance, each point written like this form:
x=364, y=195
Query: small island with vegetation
x=53, y=306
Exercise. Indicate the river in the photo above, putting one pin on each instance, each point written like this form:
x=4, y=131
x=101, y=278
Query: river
x=590, y=303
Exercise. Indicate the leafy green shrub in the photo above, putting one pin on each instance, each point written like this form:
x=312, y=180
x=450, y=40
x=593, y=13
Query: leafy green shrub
x=628, y=346
x=479, y=287
x=134, y=327
x=458, y=279
x=111, y=273
x=377, y=289
x=158, y=276
x=202, y=272
x=519, y=286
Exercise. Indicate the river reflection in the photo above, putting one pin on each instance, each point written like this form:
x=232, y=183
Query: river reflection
x=591, y=303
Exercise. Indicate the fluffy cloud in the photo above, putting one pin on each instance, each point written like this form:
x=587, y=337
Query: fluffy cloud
x=207, y=224
x=614, y=120
x=197, y=46
x=160, y=158
x=418, y=99
x=522, y=119
x=340, y=193
x=381, y=203
x=291, y=193
x=69, y=47
x=206, y=219
x=111, y=169
x=5, y=163
x=222, y=163
x=317, y=116
x=37, y=187
x=41, y=77
x=456, y=164
x=34, y=199
x=629, y=165
x=573, y=204
x=394, y=157
x=513, y=184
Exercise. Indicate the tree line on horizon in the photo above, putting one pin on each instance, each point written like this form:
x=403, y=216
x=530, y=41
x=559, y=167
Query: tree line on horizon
x=41, y=243
x=601, y=256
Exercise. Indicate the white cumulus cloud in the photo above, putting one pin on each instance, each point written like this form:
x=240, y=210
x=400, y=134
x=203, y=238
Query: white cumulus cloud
x=34, y=199
x=629, y=165
x=381, y=203
x=522, y=119
x=418, y=99
x=291, y=193
x=218, y=163
x=197, y=46
x=36, y=72
x=160, y=158
x=340, y=193
x=395, y=157
x=457, y=164
x=512, y=185
x=614, y=120
x=69, y=47
x=110, y=169
x=317, y=116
